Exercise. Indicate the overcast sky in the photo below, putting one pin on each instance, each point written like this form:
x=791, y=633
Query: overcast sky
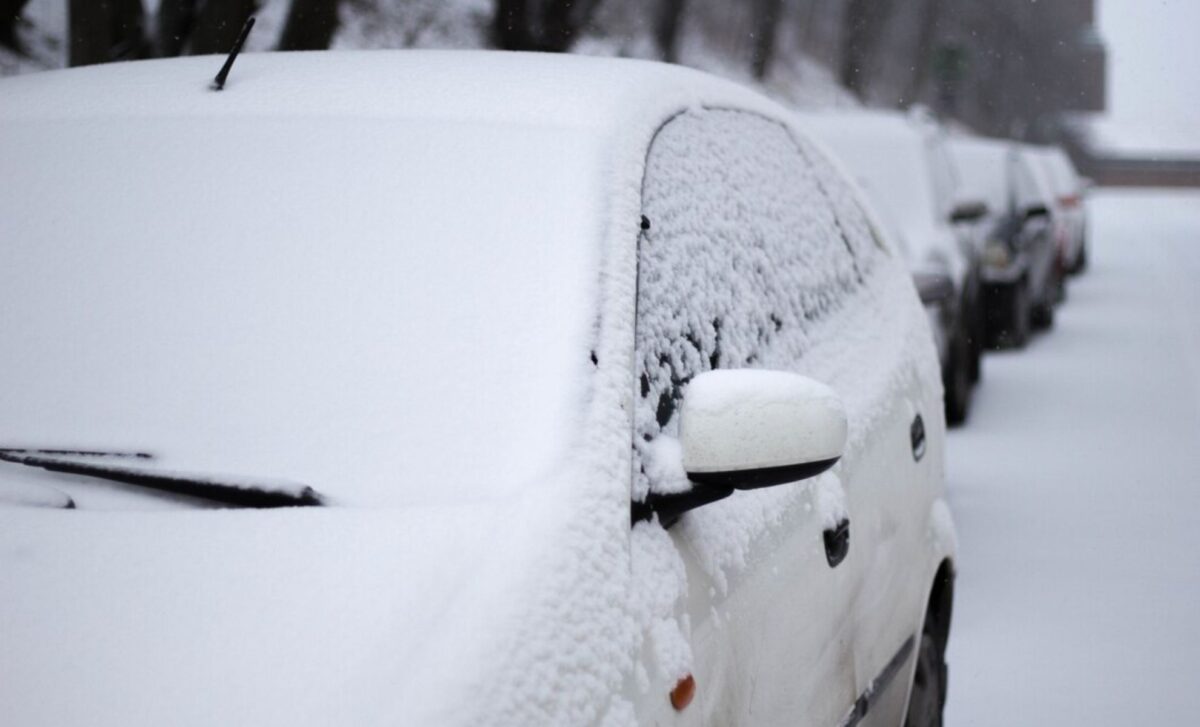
x=1154, y=59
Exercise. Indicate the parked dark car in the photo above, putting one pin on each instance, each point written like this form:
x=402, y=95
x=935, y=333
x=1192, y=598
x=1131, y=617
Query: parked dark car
x=1019, y=272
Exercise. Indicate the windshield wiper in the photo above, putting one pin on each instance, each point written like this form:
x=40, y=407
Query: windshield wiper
x=114, y=466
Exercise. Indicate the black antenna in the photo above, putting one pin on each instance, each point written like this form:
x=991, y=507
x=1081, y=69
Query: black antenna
x=219, y=82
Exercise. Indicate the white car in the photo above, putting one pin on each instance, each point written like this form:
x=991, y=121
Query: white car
x=455, y=388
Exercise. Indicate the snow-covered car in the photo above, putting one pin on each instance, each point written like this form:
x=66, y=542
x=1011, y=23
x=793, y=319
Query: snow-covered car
x=1019, y=252
x=1068, y=189
x=1042, y=193
x=440, y=388
x=901, y=162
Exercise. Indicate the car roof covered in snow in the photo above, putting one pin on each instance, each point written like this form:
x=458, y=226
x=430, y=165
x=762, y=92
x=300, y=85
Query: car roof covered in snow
x=533, y=88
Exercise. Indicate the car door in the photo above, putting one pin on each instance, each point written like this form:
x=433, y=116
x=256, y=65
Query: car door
x=740, y=259
x=890, y=491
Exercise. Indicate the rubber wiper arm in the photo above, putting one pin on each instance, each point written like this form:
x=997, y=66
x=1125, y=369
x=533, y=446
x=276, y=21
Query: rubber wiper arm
x=213, y=489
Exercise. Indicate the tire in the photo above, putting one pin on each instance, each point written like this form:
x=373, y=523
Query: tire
x=1019, y=316
x=928, y=695
x=1041, y=316
x=1081, y=261
x=975, y=342
x=957, y=380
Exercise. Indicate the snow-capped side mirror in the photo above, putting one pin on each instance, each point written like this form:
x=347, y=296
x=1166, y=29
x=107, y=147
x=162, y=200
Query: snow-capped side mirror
x=749, y=428
x=968, y=211
x=741, y=429
x=1036, y=210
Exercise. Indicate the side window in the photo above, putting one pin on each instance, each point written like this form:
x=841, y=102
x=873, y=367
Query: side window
x=855, y=226
x=742, y=254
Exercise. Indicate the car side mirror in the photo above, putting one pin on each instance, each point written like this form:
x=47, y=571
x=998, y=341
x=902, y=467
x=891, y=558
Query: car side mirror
x=1036, y=210
x=969, y=211
x=742, y=429
x=933, y=288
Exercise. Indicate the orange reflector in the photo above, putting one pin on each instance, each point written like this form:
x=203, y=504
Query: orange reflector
x=681, y=695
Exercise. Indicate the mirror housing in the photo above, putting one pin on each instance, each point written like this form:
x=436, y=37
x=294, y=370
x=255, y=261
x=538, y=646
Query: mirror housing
x=933, y=288
x=749, y=428
x=968, y=211
x=742, y=429
x=1036, y=210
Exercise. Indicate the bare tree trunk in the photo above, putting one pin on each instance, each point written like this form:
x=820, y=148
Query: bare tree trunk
x=863, y=25
x=218, y=23
x=565, y=20
x=176, y=19
x=510, y=25
x=105, y=30
x=766, y=21
x=548, y=25
x=310, y=25
x=10, y=10
x=923, y=53
x=666, y=28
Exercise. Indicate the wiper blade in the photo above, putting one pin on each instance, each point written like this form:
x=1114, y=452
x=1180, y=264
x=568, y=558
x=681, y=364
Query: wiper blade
x=114, y=467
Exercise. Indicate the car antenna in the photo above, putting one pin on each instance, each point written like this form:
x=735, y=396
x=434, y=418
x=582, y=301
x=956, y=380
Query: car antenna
x=219, y=82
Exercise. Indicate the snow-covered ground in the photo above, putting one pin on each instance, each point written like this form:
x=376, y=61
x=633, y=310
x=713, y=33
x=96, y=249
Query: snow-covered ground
x=1076, y=490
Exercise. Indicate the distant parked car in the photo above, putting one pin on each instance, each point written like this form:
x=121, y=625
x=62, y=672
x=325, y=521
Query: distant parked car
x=589, y=394
x=1019, y=251
x=902, y=164
x=1068, y=189
x=1042, y=191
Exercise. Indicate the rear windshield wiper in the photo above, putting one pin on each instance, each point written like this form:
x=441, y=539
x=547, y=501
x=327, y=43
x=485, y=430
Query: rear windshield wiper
x=121, y=467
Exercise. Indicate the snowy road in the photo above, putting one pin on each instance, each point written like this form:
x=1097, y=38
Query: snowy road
x=1076, y=490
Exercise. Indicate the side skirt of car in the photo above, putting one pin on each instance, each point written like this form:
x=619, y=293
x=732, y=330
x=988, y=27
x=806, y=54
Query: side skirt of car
x=862, y=705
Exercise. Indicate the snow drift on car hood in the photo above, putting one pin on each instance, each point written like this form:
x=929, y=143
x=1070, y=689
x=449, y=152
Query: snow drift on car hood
x=301, y=616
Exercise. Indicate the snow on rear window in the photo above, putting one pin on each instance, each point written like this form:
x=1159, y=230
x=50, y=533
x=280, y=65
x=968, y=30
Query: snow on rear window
x=984, y=169
x=742, y=253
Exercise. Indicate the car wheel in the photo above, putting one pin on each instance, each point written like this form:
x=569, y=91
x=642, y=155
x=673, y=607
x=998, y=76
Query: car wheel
x=1019, y=316
x=1042, y=315
x=976, y=343
x=928, y=694
x=957, y=380
x=1081, y=260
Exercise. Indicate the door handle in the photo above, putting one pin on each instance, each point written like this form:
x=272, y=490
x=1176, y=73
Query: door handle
x=916, y=434
x=837, y=543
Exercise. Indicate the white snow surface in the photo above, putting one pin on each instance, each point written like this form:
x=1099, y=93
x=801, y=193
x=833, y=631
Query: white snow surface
x=1074, y=488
